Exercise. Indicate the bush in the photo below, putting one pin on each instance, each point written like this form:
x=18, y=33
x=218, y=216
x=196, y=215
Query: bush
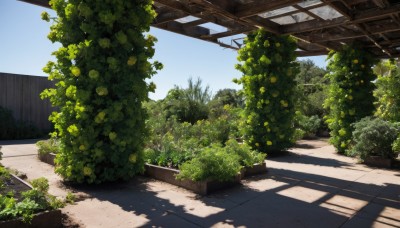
x=247, y=157
x=374, y=137
x=396, y=145
x=308, y=124
x=101, y=72
x=48, y=146
x=14, y=129
x=387, y=92
x=350, y=96
x=267, y=62
x=213, y=163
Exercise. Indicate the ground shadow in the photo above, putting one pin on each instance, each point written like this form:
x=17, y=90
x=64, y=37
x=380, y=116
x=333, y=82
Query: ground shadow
x=298, y=199
x=18, y=142
x=291, y=157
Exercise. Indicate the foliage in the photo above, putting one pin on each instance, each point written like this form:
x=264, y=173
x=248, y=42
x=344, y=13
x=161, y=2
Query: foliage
x=374, y=137
x=190, y=104
x=100, y=75
x=70, y=198
x=388, y=90
x=33, y=201
x=308, y=124
x=225, y=97
x=15, y=129
x=311, y=88
x=268, y=65
x=171, y=142
x=247, y=157
x=350, y=93
x=213, y=163
x=48, y=146
x=396, y=145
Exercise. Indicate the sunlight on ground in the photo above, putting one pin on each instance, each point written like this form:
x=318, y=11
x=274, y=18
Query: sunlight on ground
x=343, y=205
x=303, y=194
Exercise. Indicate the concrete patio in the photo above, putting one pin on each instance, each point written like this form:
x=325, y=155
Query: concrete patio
x=311, y=186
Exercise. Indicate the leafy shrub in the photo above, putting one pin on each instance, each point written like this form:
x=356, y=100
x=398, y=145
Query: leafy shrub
x=267, y=62
x=308, y=124
x=48, y=146
x=387, y=92
x=14, y=129
x=396, y=145
x=374, y=137
x=247, y=157
x=101, y=71
x=350, y=95
x=213, y=163
x=190, y=104
x=33, y=201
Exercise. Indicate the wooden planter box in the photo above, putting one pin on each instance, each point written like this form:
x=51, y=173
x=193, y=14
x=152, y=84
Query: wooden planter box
x=47, y=158
x=378, y=162
x=50, y=219
x=257, y=169
x=199, y=187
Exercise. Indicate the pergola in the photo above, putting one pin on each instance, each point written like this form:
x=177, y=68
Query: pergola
x=319, y=25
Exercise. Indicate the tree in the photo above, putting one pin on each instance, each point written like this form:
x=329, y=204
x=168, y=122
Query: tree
x=190, y=104
x=100, y=72
x=267, y=62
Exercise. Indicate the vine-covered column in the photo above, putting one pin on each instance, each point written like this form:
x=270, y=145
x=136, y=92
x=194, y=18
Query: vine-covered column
x=267, y=62
x=350, y=95
x=100, y=77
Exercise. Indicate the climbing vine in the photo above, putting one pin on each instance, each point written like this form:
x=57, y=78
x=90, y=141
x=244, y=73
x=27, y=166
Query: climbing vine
x=350, y=95
x=267, y=62
x=100, y=77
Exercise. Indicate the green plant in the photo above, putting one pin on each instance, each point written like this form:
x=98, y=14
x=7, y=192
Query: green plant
x=308, y=124
x=70, y=198
x=33, y=201
x=100, y=73
x=374, y=137
x=350, y=95
x=267, y=62
x=396, y=145
x=387, y=92
x=247, y=157
x=213, y=163
x=48, y=146
x=190, y=104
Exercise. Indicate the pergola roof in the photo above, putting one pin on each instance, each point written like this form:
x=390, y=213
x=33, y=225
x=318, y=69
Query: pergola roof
x=319, y=25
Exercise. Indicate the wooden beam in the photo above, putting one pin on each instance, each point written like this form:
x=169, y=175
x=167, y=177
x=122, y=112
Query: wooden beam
x=195, y=31
x=357, y=18
x=43, y=3
x=224, y=34
x=311, y=53
x=168, y=16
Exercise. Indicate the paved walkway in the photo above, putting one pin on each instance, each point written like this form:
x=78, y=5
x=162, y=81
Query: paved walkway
x=310, y=187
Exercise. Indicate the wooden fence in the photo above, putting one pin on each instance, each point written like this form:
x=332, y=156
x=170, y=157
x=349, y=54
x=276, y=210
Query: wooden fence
x=20, y=94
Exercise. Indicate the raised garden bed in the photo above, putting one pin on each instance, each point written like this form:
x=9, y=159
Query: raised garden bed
x=257, y=169
x=378, y=162
x=50, y=219
x=199, y=187
x=47, y=158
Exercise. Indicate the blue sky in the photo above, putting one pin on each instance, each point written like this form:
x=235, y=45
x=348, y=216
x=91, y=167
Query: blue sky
x=25, y=49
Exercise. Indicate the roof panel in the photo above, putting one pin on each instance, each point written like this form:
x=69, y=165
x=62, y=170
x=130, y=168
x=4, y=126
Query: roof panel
x=292, y=19
x=326, y=12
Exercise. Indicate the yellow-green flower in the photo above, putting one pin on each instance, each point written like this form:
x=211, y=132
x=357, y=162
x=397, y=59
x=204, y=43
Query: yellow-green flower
x=87, y=171
x=132, y=61
x=112, y=136
x=277, y=44
x=355, y=61
x=269, y=143
x=93, y=74
x=273, y=79
x=132, y=158
x=342, y=132
x=73, y=130
x=102, y=91
x=75, y=71
x=82, y=147
x=257, y=144
x=262, y=90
